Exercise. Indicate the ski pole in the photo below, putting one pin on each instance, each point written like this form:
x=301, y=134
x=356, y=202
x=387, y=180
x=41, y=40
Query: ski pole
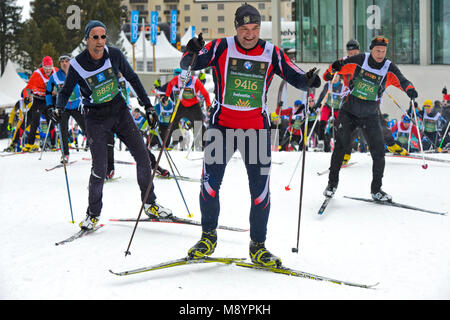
x=443, y=138
x=45, y=140
x=65, y=172
x=303, y=174
x=188, y=75
x=169, y=160
x=425, y=165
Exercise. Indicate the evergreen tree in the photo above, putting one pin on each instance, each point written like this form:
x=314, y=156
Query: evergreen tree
x=46, y=32
x=9, y=25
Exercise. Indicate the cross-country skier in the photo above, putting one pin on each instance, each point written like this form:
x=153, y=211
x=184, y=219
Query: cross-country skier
x=96, y=70
x=371, y=73
x=243, y=67
x=73, y=107
x=37, y=86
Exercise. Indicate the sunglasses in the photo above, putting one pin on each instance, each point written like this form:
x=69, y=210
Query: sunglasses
x=381, y=39
x=96, y=37
x=47, y=68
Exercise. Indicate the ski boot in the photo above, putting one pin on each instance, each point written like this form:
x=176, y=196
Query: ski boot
x=30, y=148
x=381, y=196
x=65, y=159
x=346, y=159
x=330, y=190
x=162, y=172
x=89, y=222
x=261, y=256
x=11, y=148
x=110, y=175
x=205, y=246
x=156, y=211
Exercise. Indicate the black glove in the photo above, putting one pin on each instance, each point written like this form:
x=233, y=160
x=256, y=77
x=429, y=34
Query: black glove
x=337, y=65
x=151, y=115
x=195, y=44
x=27, y=100
x=444, y=91
x=412, y=93
x=312, y=79
x=55, y=114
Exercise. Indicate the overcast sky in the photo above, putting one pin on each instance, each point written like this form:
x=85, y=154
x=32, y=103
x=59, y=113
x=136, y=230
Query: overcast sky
x=25, y=4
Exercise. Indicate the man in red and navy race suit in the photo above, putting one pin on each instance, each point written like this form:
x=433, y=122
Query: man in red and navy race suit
x=243, y=67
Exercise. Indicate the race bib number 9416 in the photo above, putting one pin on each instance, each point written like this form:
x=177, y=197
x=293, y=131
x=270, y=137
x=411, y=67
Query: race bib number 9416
x=245, y=83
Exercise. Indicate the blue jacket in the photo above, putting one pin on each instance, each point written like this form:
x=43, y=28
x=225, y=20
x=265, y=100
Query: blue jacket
x=57, y=80
x=164, y=112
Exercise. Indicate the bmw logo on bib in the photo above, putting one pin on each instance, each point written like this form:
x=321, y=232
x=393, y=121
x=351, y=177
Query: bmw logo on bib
x=101, y=77
x=248, y=65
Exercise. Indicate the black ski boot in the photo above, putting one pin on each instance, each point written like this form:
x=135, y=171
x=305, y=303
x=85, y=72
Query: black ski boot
x=261, y=256
x=205, y=246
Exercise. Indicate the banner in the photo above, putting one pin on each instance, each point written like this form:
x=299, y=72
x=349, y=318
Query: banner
x=193, y=31
x=173, y=26
x=134, y=26
x=153, y=26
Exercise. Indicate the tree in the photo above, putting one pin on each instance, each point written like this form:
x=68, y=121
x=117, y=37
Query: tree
x=47, y=31
x=9, y=26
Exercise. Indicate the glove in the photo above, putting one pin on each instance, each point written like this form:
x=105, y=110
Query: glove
x=55, y=114
x=9, y=128
x=412, y=93
x=444, y=91
x=312, y=79
x=151, y=115
x=337, y=65
x=396, y=149
x=164, y=100
x=195, y=44
x=27, y=100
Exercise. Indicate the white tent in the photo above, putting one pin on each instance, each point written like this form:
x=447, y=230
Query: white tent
x=11, y=85
x=187, y=36
x=167, y=57
x=6, y=101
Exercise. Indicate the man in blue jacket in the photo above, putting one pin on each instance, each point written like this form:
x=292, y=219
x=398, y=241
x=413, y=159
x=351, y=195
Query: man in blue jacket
x=96, y=71
x=73, y=106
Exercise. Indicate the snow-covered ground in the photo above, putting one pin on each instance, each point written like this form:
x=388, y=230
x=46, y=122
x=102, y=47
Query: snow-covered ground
x=408, y=252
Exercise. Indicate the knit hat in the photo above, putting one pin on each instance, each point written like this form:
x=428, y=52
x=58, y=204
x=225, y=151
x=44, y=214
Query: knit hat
x=246, y=14
x=91, y=25
x=379, y=41
x=47, y=61
x=352, y=45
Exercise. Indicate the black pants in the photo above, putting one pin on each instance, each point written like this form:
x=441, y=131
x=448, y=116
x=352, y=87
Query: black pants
x=346, y=125
x=194, y=114
x=39, y=107
x=76, y=114
x=100, y=126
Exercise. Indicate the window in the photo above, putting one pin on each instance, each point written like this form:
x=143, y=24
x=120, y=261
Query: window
x=319, y=32
x=221, y=30
x=204, y=18
x=187, y=7
x=261, y=6
x=221, y=18
x=205, y=30
x=204, y=7
x=157, y=7
x=220, y=6
x=187, y=19
x=440, y=32
x=397, y=20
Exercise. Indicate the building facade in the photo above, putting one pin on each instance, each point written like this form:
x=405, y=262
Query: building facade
x=215, y=19
x=418, y=30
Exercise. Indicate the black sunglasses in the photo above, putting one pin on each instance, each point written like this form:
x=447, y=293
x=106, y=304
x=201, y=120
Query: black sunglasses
x=96, y=37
